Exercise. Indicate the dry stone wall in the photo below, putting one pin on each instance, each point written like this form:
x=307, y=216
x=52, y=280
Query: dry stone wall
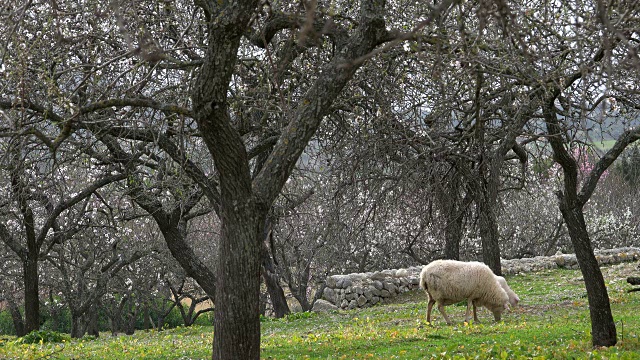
x=367, y=289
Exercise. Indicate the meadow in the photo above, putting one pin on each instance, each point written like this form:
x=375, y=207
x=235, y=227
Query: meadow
x=551, y=322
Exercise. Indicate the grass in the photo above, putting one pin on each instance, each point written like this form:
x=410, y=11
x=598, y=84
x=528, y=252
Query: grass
x=551, y=323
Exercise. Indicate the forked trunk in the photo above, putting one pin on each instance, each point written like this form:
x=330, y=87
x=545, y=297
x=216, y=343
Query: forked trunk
x=603, y=328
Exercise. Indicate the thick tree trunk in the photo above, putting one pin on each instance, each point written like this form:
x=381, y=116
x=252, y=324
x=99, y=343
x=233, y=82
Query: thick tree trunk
x=603, y=329
x=92, y=321
x=452, y=238
x=76, y=326
x=31, y=296
x=450, y=201
x=489, y=235
x=485, y=200
x=237, y=314
x=146, y=323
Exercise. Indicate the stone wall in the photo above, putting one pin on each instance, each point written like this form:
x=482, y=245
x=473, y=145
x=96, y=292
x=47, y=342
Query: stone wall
x=367, y=289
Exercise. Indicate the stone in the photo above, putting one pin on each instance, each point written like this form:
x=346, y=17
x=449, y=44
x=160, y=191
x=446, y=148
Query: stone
x=365, y=289
x=368, y=292
x=390, y=287
x=378, y=285
x=323, y=306
x=329, y=294
x=378, y=276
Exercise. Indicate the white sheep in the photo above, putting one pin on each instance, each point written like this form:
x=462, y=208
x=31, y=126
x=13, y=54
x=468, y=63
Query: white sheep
x=513, y=297
x=449, y=281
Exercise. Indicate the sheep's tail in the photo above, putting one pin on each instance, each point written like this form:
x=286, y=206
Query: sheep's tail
x=423, y=283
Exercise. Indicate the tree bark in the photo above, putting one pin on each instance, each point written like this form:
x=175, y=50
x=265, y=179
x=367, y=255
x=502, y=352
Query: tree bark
x=245, y=201
x=603, y=328
x=489, y=235
x=76, y=326
x=31, y=292
x=270, y=276
x=92, y=321
x=16, y=317
x=450, y=201
x=571, y=203
x=237, y=314
x=276, y=293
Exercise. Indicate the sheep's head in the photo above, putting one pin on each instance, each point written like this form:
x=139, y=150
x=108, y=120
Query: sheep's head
x=497, y=310
x=513, y=297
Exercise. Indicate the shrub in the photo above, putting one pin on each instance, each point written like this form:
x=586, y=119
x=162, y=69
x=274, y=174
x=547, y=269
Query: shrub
x=45, y=336
x=6, y=323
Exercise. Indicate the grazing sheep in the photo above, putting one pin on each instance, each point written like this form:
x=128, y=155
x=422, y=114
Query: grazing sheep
x=513, y=297
x=449, y=281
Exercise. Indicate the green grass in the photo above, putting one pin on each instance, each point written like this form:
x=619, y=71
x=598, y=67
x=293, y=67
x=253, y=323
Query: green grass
x=551, y=323
x=604, y=144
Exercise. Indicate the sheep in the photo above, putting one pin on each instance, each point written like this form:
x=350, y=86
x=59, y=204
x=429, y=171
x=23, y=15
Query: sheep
x=449, y=281
x=513, y=297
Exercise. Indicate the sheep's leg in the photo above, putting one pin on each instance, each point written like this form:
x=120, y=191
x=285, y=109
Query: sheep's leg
x=470, y=304
x=446, y=318
x=475, y=313
x=429, y=307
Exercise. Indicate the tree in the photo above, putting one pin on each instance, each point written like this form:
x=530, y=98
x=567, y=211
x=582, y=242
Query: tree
x=244, y=202
x=46, y=207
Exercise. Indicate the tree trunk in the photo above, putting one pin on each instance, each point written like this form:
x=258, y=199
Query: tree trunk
x=145, y=321
x=31, y=296
x=76, y=326
x=16, y=317
x=276, y=293
x=452, y=238
x=92, y=321
x=450, y=201
x=489, y=236
x=236, y=322
x=184, y=254
x=301, y=295
x=237, y=314
x=603, y=329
